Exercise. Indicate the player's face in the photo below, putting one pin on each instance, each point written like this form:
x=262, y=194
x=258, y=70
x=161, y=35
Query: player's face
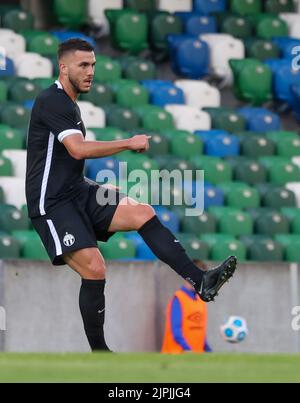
x=81, y=70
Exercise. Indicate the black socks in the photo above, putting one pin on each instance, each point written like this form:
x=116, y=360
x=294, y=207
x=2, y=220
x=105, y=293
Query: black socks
x=169, y=250
x=92, y=307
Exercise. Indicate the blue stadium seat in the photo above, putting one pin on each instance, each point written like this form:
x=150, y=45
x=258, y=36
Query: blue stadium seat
x=209, y=6
x=143, y=252
x=213, y=196
x=260, y=119
x=28, y=104
x=190, y=56
x=284, y=76
x=164, y=93
x=93, y=167
x=286, y=45
x=206, y=135
x=9, y=70
x=200, y=24
x=65, y=35
x=223, y=146
x=168, y=218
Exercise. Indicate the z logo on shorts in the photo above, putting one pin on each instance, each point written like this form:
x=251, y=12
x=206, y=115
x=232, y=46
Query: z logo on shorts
x=69, y=240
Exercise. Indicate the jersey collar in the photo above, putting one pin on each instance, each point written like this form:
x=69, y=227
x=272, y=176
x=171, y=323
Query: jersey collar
x=58, y=83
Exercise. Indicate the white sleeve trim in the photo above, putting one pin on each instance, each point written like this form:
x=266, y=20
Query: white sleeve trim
x=67, y=133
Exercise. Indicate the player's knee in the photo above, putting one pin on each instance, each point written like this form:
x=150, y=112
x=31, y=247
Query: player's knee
x=95, y=268
x=144, y=214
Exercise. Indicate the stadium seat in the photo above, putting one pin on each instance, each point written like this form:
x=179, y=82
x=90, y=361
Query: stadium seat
x=263, y=249
x=175, y=5
x=141, y=5
x=129, y=30
x=257, y=146
x=291, y=245
x=168, y=218
x=227, y=247
x=252, y=80
x=161, y=26
x=130, y=95
x=122, y=118
x=163, y=95
x=143, y=252
x=223, y=48
x=215, y=170
x=9, y=70
x=279, y=6
x=236, y=224
x=9, y=247
x=235, y=25
x=240, y=195
x=18, y=20
x=155, y=118
x=262, y=49
x=190, y=56
x=32, y=65
x=260, y=119
x=222, y=146
x=226, y=119
x=197, y=24
x=41, y=42
x=100, y=95
x=10, y=139
x=189, y=118
x=139, y=69
x=278, y=197
x=118, y=248
x=269, y=25
x=23, y=90
x=250, y=172
x=272, y=223
x=281, y=170
x=186, y=146
x=13, y=43
x=31, y=245
x=14, y=115
x=278, y=135
x=18, y=159
x=207, y=7
x=245, y=7
x=92, y=116
x=284, y=76
x=159, y=145
x=109, y=133
x=96, y=12
x=71, y=17
x=213, y=196
x=93, y=167
x=204, y=224
x=288, y=147
x=292, y=20
x=199, y=94
x=195, y=248
x=107, y=69
x=12, y=219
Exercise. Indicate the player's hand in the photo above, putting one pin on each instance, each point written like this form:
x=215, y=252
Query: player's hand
x=139, y=143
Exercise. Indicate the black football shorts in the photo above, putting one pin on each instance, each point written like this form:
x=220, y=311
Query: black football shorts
x=79, y=223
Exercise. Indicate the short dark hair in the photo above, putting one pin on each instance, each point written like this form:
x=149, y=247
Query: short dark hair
x=72, y=45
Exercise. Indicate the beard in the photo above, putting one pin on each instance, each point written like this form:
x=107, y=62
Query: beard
x=76, y=86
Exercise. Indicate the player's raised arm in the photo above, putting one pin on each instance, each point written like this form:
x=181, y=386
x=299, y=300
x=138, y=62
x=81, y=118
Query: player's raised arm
x=81, y=149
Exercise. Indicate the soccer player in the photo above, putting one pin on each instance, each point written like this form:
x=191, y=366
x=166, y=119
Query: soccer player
x=68, y=211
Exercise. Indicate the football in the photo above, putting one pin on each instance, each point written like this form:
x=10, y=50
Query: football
x=235, y=330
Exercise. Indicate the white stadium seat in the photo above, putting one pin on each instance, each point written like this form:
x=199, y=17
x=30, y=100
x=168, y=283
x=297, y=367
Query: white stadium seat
x=199, y=94
x=92, y=116
x=189, y=118
x=14, y=190
x=223, y=47
x=293, y=22
x=14, y=44
x=32, y=65
x=96, y=10
x=90, y=136
x=18, y=160
x=295, y=187
x=175, y=5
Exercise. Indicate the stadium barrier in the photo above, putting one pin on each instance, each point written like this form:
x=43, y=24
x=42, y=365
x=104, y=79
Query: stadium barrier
x=42, y=313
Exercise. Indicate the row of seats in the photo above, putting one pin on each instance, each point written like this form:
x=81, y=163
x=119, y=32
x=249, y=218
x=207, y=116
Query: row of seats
x=27, y=245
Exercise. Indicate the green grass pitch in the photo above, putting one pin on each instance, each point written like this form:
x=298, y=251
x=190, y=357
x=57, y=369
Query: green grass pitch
x=146, y=368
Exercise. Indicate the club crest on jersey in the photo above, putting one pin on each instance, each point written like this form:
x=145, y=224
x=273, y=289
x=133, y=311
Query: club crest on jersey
x=69, y=240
